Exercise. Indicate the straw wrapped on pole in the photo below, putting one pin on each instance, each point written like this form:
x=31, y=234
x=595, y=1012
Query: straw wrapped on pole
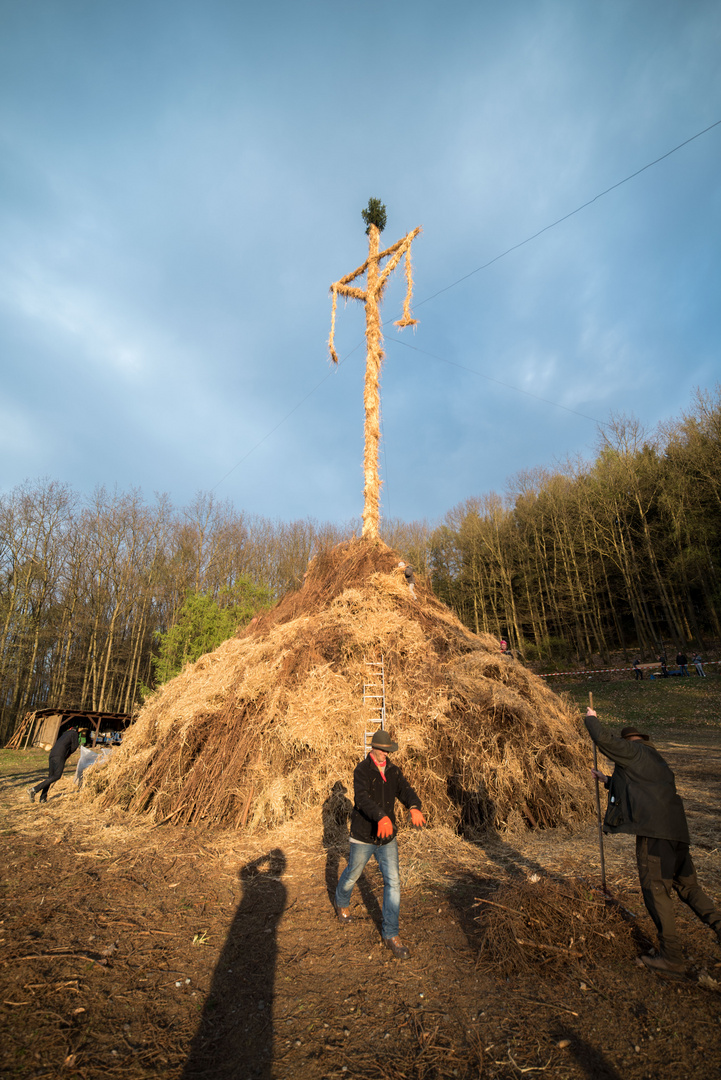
x=371, y=392
x=376, y=280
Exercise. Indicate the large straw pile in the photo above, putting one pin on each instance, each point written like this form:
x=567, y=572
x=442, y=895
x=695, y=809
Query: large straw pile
x=261, y=730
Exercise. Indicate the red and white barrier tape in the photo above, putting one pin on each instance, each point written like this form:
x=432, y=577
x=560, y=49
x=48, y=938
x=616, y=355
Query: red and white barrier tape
x=603, y=671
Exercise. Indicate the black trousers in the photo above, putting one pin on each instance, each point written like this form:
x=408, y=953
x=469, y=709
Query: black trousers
x=665, y=866
x=56, y=765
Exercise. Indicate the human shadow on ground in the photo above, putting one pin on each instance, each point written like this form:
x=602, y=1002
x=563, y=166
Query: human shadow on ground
x=235, y=1034
x=588, y=1057
x=17, y=783
x=336, y=813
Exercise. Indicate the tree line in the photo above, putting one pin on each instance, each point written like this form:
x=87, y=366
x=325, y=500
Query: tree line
x=102, y=598
x=621, y=553
x=91, y=590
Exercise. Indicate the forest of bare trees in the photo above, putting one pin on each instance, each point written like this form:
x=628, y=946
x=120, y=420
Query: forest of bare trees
x=570, y=564
x=621, y=553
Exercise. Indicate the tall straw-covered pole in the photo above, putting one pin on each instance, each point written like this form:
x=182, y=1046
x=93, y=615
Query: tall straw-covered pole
x=371, y=392
x=376, y=279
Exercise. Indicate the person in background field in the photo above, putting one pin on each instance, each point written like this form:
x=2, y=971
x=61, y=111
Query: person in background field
x=664, y=669
x=504, y=649
x=642, y=800
x=377, y=783
x=681, y=662
x=62, y=749
x=637, y=670
x=696, y=661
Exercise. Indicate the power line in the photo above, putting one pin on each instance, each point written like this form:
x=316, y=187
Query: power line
x=565, y=217
x=286, y=417
x=489, y=378
x=446, y=288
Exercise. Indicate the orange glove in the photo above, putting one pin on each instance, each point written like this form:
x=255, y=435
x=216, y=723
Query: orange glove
x=385, y=827
x=417, y=818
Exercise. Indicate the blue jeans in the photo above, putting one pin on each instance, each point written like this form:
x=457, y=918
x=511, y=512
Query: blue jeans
x=387, y=858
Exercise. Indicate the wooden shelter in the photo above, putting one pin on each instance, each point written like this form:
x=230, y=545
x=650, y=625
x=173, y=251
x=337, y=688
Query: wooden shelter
x=41, y=727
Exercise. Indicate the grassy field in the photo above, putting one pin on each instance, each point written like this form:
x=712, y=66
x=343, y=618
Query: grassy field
x=31, y=765
x=654, y=705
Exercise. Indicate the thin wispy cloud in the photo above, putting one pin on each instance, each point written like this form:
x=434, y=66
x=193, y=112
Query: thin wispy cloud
x=176, y=197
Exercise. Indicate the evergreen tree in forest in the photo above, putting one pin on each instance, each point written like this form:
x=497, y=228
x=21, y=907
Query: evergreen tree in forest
x=204, y=623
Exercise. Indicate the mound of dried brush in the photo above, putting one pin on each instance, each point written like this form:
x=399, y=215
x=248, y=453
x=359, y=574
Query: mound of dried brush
x=260, y=730
x=539, y=922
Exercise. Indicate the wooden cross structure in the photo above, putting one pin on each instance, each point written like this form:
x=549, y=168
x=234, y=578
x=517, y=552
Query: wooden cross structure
x=376, y=279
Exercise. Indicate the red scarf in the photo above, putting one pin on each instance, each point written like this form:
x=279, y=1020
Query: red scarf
x=381, y=768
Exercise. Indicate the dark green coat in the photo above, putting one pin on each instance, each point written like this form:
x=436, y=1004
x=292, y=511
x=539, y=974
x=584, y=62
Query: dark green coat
x=642, y=797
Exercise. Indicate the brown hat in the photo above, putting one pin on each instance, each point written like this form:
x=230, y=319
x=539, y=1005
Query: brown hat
x=382, y=741
x=630, y=732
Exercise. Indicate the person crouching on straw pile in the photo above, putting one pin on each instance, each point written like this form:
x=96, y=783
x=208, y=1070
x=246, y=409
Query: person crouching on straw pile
x=410, y=577
x=377, y=783
x=643, y=801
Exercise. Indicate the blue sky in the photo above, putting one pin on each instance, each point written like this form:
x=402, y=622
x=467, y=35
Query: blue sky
x=180, y=184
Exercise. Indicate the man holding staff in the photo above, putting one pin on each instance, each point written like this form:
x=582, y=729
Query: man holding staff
x=643, y=801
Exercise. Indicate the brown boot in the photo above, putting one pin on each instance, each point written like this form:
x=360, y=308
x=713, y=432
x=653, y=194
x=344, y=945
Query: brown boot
x=396, y=946
x=344, y=914
x=668, y=967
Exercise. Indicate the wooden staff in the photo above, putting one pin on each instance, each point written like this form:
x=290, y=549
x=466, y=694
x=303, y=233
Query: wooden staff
x=598, y=807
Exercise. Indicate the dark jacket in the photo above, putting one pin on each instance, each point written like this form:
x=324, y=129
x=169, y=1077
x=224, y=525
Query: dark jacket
x=64, y=746
x=642, y=797
x=375, y=799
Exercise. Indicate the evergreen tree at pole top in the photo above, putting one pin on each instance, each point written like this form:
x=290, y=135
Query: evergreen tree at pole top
x=376, y=278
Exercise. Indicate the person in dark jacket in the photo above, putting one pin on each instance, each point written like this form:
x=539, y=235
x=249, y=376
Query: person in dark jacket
x=643, y=801
x=62, y=749
x=682, y=662
x=377, y=783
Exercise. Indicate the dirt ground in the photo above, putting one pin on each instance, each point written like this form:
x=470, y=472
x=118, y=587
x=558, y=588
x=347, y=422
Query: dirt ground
x=128, y=951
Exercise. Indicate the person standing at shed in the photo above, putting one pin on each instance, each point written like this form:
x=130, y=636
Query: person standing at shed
x=377, y=783
x=63, y=747
x=643, y=801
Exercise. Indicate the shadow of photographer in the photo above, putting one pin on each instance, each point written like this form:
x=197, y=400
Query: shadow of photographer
x=235, y=1034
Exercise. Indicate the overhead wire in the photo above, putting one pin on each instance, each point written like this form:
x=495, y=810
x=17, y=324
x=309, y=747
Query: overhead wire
x=464, y=277
x=489, y=378
x=570, y=214
x=286, y=417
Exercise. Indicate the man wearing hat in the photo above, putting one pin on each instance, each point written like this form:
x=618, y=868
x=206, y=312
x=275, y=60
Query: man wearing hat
x=377, y=783
x=643, y=801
